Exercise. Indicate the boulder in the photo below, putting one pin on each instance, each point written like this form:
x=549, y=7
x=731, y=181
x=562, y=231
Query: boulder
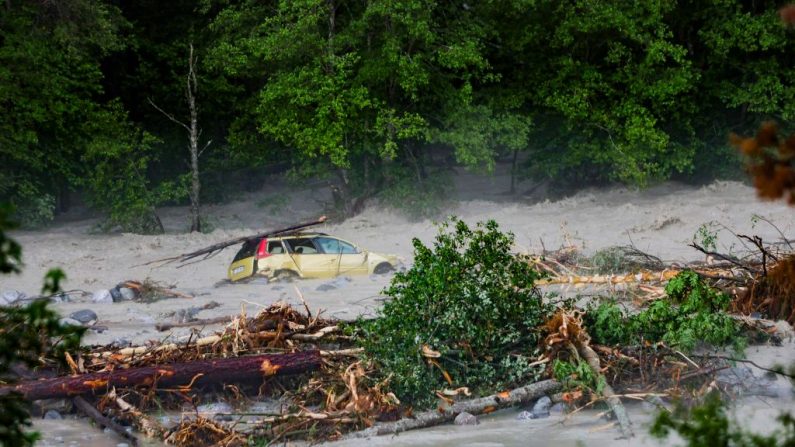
x=70, y=322
x=466, y=419
x=84, y=316
x=102, y=296
x=127, y=294
x=541, y=407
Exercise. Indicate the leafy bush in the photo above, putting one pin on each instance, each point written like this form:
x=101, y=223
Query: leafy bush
x=692, y=312
x=707, y=425
x=577, y=375
x=416, y=199
x=469, y=299
x=118, y=184
x=34, y=208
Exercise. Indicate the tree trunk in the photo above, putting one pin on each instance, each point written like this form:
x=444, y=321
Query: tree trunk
x=513, y=170
x=474, y=406
x=178, y=374
x=190, y=92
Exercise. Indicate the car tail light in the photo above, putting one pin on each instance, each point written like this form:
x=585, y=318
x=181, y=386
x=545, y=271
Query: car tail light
x=262, y=249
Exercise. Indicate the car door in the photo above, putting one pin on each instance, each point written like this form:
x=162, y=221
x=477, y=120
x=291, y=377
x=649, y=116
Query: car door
x=310, y=259
x=347, y=257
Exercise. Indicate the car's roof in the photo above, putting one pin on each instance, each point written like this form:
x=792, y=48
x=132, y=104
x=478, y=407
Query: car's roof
x=294, y=235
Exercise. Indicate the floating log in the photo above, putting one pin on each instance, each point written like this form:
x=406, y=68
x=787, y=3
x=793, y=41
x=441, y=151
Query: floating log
x=178, y=374
x=474, y=406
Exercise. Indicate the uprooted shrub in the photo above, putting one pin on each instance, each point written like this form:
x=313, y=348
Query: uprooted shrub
x=692, y=312
x=467, y=313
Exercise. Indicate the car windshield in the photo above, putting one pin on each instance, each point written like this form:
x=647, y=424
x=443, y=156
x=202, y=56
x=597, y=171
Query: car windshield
x=330, y=245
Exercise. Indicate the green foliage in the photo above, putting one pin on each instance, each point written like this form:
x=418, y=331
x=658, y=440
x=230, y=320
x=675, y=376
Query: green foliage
x=118, y=184
x=577, y=374
x=10, y=251
x=50, y=84
x=706, y=236
x=708, y=425
x=467, y=297
x=34, y=208
x=416, y=197
x=693, y=312
x=26, y=338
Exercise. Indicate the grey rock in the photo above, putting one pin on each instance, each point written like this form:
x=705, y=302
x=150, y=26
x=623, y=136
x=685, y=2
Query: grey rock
x=11, y=296
x=69, y=322
x=102, y=296
x=525, y=416
x=115, y=294
x=122, y=444
x=541, y=407
x=127, y=294
x=52, y=414
x=466, y=419
x=120, y=343
x=84, y=316
x=326, y=287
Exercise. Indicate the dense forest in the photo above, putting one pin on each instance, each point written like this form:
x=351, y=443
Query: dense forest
x=133, y=105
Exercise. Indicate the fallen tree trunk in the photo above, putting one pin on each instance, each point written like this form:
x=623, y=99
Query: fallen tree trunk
x=177, y=374
x=474, y=406
x=613, y=401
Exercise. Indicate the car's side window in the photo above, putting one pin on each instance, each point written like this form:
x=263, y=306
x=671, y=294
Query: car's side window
x=329, y=245
x=275, y=247
x=302, y=246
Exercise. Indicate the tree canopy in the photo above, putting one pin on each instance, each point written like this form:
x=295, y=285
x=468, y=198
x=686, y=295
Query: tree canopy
x=373, y=94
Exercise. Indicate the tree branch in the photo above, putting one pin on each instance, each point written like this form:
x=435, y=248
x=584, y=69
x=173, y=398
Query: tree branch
x=168, y=115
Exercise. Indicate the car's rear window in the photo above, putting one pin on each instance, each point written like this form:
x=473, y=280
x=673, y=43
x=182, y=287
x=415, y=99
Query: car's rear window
x=247, y=250
x=275, y=247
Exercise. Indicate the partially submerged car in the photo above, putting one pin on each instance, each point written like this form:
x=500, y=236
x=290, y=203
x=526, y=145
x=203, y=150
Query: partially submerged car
x=306, y=255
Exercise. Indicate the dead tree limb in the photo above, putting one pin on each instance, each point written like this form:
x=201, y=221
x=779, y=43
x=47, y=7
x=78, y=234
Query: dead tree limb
x=103, y=421
x=474, y=406
x=613, y=401
x=178, y=374
x=212, y=249
x=201, y=322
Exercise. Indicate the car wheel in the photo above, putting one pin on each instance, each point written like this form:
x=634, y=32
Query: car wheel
x=382, y=268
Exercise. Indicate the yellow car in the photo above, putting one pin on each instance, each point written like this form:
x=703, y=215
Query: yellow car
x=306, y=255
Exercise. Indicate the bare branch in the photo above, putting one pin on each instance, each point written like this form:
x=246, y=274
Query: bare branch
x=206, y=145
x=168, y=115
